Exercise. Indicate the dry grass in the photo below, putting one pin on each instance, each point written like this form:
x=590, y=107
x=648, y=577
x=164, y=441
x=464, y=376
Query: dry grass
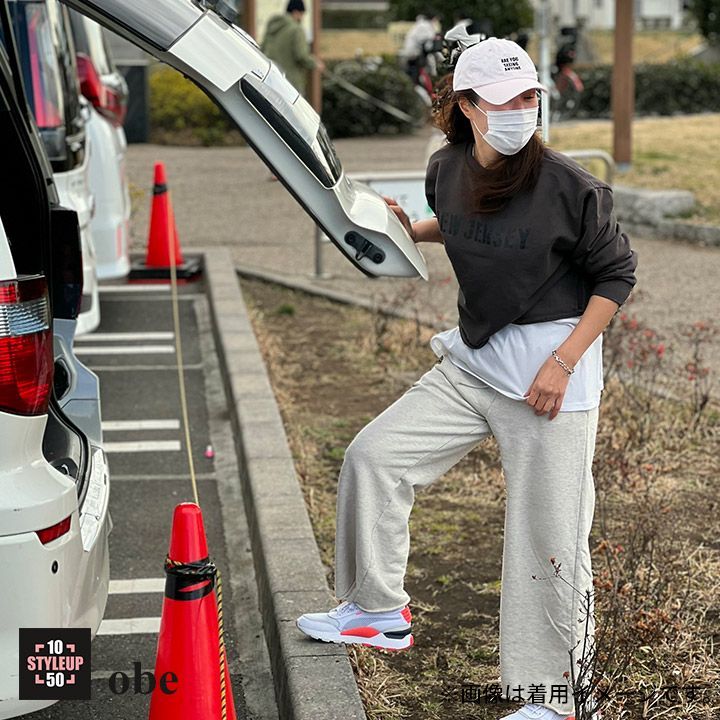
x=649, y=46
x=655, y=538
x=668, y=152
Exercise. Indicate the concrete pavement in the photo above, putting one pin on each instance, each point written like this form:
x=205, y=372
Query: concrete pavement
x=223, y=197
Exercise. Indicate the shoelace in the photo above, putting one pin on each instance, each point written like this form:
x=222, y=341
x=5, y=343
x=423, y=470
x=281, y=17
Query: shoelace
x=343, y=608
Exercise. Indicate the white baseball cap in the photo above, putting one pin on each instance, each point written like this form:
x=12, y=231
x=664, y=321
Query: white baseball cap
x=497, y=70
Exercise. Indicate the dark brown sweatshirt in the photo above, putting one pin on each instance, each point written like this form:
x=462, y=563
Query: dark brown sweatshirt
x=540, y=257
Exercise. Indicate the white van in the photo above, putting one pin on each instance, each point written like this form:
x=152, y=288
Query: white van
x=47, y=59
x=54, y=486
x=105, y=88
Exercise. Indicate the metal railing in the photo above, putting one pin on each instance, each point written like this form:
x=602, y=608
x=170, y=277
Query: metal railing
x=606, y=158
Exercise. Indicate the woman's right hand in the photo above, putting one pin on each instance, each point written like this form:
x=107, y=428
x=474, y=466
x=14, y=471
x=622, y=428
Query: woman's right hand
x=401, y=215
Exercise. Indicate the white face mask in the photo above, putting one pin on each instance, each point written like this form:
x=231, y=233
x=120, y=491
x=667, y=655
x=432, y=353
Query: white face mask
x=509, y=131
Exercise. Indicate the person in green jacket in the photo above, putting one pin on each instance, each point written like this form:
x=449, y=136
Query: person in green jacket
x=285, y=43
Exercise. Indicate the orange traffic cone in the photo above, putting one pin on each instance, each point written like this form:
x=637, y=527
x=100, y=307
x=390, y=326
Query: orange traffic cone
x=191, y=656
x=163, y=241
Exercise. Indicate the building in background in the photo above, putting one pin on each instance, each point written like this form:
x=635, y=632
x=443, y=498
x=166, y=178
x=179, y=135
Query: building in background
x=600, y=14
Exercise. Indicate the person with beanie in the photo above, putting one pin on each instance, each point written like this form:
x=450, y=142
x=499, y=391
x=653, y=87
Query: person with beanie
x=286, y=45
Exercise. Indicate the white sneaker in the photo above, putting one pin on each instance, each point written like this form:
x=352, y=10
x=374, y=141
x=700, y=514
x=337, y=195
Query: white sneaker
x=349, y=624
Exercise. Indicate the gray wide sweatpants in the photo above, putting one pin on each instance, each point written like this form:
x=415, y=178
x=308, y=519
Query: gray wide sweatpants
x=550, y=501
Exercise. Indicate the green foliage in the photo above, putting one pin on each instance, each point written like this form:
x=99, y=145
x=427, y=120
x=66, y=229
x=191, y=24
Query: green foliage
x=177, y=105
x=506, y=16
x=685, y=86
x=707, y=16
x=346, y=115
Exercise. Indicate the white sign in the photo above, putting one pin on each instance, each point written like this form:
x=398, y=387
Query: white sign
x=409, y=193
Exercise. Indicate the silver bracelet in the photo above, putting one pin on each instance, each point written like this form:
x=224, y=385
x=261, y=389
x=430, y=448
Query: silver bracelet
x=563, y=365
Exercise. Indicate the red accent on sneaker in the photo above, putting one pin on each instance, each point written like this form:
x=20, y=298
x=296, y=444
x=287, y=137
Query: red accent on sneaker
x=361, y=632
x=406, y=614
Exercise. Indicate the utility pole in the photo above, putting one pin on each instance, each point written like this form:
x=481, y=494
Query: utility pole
x=623, y=85
x=249, y=19
x=542, y=20
x=316, y=77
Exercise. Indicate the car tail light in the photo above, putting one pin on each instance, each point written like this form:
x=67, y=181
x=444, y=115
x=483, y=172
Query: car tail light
x=115, y=108
x=104, y=99
x=26, y=347
x=44, y=73
x=54, y=531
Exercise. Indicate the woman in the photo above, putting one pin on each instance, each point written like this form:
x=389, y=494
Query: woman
x=542, y=267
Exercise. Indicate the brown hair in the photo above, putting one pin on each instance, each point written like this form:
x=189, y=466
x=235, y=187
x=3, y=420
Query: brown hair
x=507, y=177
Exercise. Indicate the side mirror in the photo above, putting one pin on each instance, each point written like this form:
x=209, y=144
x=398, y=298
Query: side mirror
x=66, y=256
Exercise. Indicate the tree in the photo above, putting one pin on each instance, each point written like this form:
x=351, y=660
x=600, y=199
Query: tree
x=504, y=16
x=707, y=15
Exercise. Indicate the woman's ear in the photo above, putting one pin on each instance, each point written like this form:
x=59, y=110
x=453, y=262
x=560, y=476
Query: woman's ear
x=465, y=107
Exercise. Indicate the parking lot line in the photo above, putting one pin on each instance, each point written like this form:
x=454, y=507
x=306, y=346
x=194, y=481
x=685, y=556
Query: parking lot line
x=137, y=585
x=124, y=350
x=144, y=368
x=126, y=336
x=120, y=425
x=142, y=446
x=129, y=626
x=133, y=288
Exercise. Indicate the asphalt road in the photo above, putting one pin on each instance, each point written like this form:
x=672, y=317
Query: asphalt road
x=133, y=353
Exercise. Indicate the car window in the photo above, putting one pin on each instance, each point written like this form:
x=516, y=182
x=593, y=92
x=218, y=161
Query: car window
x=294, y=119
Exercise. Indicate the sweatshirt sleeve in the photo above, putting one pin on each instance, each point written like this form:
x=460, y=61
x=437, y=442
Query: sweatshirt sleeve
x=430, y=179
x=301, y=52
x=603, y=250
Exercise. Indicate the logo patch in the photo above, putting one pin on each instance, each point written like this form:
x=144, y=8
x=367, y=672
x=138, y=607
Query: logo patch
x=510, y=63
x=54, y=663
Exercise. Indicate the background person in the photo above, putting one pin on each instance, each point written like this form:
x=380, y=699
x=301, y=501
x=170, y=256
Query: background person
x=285, y=43
x=419, y=41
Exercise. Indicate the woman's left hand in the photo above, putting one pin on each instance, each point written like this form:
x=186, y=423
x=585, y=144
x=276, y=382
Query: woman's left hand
x=547, y=390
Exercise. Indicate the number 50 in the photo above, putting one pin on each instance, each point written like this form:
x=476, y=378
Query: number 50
x=54, y=679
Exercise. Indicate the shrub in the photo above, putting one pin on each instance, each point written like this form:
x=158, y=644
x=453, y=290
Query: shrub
x=684, y=86
x=179, y=110
x=181, y=113
x=346, y=115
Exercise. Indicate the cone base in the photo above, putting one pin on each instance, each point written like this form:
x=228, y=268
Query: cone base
x=191, y=269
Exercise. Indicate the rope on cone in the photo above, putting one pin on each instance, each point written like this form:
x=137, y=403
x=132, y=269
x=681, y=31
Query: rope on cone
x=202, y=568
x=186, y=574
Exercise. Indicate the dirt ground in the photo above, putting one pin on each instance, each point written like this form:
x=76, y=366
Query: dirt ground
x=335, y=367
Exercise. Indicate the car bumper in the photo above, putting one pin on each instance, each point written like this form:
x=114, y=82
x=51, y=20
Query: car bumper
x=73, y=596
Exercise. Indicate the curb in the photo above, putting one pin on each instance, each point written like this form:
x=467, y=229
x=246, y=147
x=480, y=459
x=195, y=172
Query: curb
x=308, y=286
x=676, y=231
x=308, y=674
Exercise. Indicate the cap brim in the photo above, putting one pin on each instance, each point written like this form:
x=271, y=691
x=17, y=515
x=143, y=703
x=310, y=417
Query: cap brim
x=501, y=92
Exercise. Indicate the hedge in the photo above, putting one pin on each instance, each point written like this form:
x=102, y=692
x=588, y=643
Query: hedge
x=680, y=87
x=346, y=115
x=181, y=113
